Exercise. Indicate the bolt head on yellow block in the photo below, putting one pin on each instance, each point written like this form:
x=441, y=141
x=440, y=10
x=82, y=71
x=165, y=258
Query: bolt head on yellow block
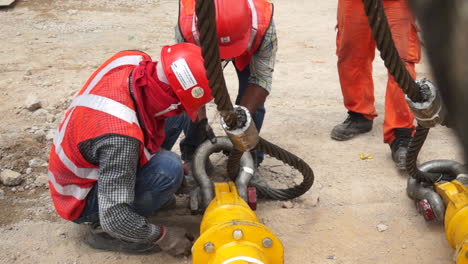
x=230, y=233
x=455, y=196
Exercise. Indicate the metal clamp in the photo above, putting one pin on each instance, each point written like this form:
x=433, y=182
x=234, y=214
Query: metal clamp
x=245, y=137
x=199, y=171
x=432, y=111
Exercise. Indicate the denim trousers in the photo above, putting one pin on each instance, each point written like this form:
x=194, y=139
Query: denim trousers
x=156, y=183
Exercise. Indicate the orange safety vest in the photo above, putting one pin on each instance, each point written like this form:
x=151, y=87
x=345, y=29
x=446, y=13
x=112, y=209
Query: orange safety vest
x=263, y=16
x=103, y=106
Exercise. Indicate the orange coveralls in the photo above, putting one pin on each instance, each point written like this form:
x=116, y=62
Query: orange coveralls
x=356, y=52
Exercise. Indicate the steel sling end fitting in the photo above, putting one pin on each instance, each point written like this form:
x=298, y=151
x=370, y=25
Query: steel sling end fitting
x=431, y=112
x=245, y=137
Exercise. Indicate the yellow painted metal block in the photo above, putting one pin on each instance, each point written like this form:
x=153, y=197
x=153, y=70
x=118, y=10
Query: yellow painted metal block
x=230, y=233
x=455, y=196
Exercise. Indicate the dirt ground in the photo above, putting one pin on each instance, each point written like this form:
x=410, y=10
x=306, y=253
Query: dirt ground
x=48, y=50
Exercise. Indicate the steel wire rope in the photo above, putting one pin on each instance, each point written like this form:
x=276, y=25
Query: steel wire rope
x=384, y=41
x=206, y=15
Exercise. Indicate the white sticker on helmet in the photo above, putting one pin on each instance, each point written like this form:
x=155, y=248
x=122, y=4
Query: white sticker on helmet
x=197, y=92
x=183, y=74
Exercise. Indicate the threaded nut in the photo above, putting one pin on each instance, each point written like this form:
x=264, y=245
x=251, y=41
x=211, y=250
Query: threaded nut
x=208, y=247
x=267, y=242
x=237, y=234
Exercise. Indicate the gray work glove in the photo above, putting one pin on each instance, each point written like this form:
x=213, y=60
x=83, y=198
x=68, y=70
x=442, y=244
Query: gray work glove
x=175, y=241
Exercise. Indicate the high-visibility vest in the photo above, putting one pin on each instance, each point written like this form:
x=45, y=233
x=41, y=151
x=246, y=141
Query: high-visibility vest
x=103, y=106
x=261, y=19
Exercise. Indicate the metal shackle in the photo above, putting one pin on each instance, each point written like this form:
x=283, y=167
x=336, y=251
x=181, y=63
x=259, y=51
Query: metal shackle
x=199, y=170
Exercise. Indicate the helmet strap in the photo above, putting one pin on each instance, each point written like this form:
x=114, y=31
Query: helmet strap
x=253, y=34
x=196, y=37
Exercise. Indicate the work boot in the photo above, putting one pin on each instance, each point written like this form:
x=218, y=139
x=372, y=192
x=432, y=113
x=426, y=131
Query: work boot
x=400, y=146
x=98, y=239
x=353, y=125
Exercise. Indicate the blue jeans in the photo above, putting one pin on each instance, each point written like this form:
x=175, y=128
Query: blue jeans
x=175, y=125
x=155, y=185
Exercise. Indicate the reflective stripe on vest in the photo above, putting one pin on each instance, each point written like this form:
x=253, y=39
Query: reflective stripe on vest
x=98, y=103
x=106, y=105
x=69, y=190
x=127, y=60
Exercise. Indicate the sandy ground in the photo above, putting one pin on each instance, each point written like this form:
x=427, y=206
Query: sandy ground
x=48, y=50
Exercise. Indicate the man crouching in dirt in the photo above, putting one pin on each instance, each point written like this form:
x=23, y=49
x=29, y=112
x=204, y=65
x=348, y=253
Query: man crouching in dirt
x=106, y=167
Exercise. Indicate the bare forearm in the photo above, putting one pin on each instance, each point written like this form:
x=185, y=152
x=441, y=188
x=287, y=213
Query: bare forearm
x=254, y=96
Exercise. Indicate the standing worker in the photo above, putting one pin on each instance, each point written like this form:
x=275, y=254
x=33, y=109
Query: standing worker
x=247, y=36
x=356, y=52
x=106, y=167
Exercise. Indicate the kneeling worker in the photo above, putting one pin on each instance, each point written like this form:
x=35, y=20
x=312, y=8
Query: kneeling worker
x=106, y=167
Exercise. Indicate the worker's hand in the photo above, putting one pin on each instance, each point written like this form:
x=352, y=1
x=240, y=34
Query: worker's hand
x=175, y=241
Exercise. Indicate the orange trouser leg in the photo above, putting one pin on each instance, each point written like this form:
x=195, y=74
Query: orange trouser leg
x=355, y=51
x=397, y=112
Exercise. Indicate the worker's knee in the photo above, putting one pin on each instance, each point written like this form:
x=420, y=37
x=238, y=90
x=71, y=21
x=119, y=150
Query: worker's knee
x=157, y=181
x=163, y=173
x=171, y=172
x=167, y=171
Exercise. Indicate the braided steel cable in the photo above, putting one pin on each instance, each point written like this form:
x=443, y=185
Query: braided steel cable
x=441, y=170
x=413, y=151
x=272, y=150
x=206, y=14
x=292, y=160
x=383, y=37
x=233, y=163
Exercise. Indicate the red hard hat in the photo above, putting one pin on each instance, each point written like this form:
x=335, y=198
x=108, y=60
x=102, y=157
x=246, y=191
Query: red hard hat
x=234, y=26
x=183, y=66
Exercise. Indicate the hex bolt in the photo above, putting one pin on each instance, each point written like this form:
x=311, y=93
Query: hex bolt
x=237, y=234
x=267, y=242
x=208, y=247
